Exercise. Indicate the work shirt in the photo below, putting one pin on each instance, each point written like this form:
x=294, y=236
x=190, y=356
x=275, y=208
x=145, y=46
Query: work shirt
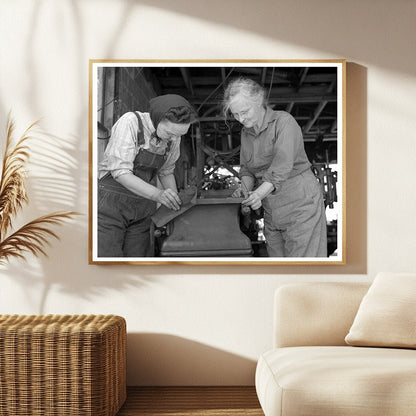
x=123, y=146
x=276, y=152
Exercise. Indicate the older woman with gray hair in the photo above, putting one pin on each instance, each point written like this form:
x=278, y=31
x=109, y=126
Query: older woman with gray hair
x=275, y=173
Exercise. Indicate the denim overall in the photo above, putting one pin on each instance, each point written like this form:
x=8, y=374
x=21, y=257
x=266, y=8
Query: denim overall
x=294, y=218
x=124, y=217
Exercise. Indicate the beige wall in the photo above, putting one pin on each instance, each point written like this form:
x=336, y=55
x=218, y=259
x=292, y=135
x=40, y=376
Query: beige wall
x=190, y=324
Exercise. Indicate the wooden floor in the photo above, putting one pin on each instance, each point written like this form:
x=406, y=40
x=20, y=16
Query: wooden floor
x=191, y=401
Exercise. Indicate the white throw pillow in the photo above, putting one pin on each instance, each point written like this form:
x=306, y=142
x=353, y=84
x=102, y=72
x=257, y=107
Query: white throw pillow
x=387, y=314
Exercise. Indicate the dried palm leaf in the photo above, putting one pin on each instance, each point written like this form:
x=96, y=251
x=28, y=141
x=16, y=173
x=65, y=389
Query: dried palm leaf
x=32, y=237
x=13, y=175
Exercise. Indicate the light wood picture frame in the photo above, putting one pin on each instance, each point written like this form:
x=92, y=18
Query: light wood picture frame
x=212, y=228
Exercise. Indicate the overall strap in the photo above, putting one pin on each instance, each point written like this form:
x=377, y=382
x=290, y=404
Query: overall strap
x=140, y=132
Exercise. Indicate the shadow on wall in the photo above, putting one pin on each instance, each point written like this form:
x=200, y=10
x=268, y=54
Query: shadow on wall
x=71, y=280
x=289, y=23
x=52, y=187
x=64, y=192
x=168, y=360
x=54, y=183
x=71, y=13
x=57, y=187
x=380, y=36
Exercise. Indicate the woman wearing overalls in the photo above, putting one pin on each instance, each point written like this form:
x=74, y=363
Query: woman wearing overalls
x=142, y=148
x=276, y=174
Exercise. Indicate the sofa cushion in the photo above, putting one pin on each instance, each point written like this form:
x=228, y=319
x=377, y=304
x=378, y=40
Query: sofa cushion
x=342, y=380
x=318, y=313
x=386, y=316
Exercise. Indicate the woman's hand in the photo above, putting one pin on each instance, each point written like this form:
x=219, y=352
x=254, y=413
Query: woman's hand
x=169, y=198
x=253, y=200
x=238, y=193
x=246, y=185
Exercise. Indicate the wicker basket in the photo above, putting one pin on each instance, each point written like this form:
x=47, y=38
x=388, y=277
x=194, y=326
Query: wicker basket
x=71, y=365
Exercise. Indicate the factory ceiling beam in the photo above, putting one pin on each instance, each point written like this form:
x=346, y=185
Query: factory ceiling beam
x=316, y=114
x=326, y=138
x=303, y=75
x=213, y=80
x=281, y=99
x=204, y=92
x=289, y=107
x=302, y=78
x=263, y=76
x=220, y=117
x=248, y=70
x=317, y=111
x=223, y=77
x=187, y=79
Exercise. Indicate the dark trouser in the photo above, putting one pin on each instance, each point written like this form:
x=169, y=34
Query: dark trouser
x=294, y=219
x=123, y=221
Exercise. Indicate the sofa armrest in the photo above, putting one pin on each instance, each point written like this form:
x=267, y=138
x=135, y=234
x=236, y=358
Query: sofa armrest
x=315, y=313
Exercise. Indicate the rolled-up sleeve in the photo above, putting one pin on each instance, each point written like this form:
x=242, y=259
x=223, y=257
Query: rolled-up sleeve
x=122, y=147
x=286, y=142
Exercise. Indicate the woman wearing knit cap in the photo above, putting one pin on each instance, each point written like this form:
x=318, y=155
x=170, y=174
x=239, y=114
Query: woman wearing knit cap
x=142, y=148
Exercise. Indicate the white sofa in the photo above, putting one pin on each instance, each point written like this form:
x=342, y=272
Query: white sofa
x=312, y=371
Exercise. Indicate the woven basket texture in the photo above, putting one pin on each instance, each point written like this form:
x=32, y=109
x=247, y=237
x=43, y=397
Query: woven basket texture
x=66, y=365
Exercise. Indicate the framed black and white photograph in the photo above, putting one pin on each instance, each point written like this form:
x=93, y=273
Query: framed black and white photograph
x=217, y=162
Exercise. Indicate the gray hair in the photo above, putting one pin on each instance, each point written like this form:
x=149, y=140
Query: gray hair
x=245, y=87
